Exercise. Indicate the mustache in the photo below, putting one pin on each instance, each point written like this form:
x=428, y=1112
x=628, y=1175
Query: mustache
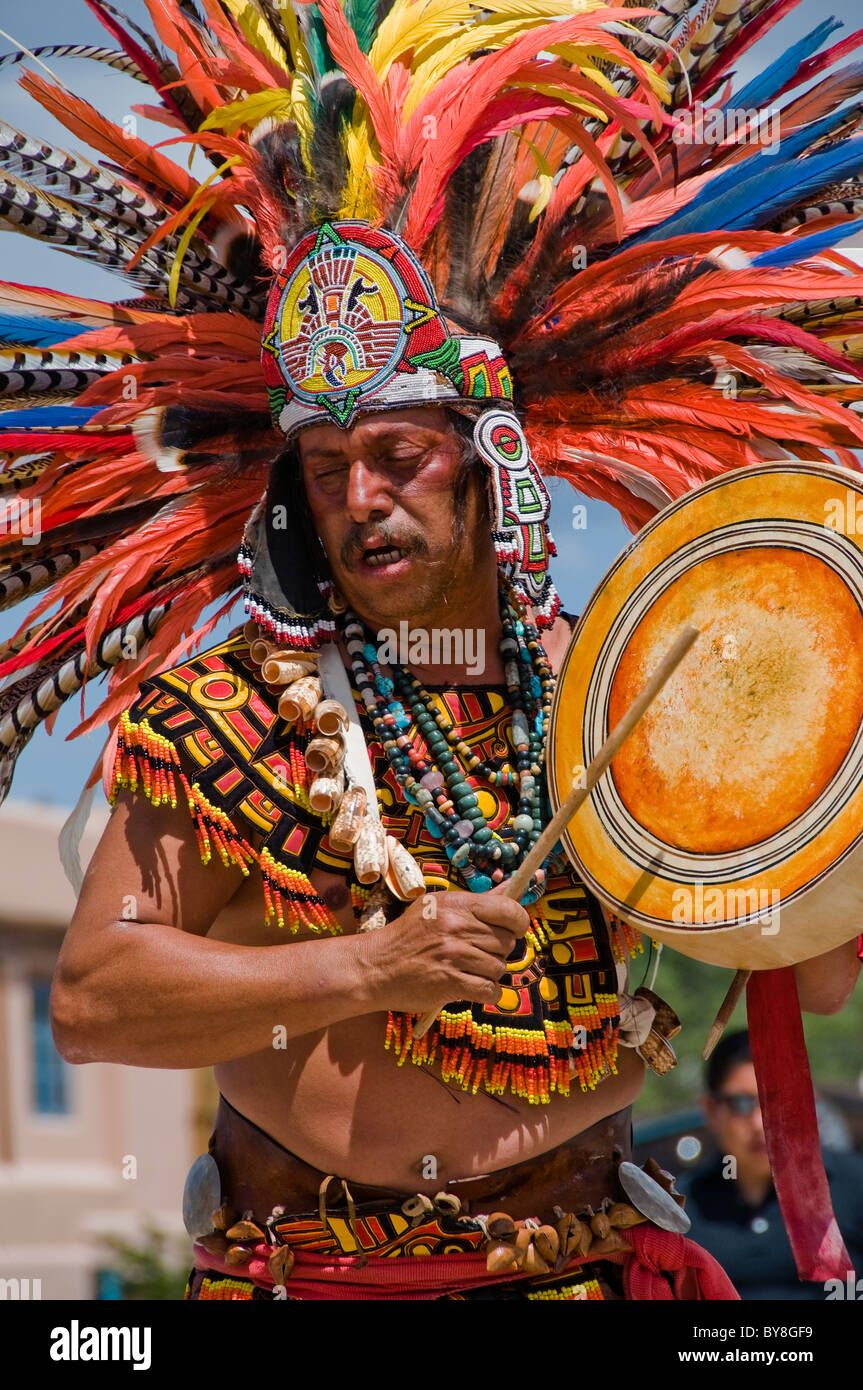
x=409, y=539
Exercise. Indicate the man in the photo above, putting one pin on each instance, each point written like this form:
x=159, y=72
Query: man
x=407, y=521
x=424, y=185
x=734, y=1210
x=332, y=1096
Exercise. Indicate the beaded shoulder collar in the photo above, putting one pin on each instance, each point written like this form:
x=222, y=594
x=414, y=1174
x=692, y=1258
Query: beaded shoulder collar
x=210, y=732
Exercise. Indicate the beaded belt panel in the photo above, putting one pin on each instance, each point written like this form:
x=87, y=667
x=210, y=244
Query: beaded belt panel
x=383, y=1233
x=577, y=1286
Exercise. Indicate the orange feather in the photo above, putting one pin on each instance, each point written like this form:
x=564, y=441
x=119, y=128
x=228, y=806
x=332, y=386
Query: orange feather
x=135, y=156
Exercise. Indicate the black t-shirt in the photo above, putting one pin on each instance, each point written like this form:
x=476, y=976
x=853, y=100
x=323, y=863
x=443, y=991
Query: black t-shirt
x=750, y=1242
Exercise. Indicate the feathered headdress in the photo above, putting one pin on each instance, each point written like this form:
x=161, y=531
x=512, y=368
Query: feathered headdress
x=580, y=184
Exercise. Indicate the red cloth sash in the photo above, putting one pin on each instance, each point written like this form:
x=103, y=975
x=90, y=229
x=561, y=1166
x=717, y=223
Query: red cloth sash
x=790, y=1127
x=695, y=1273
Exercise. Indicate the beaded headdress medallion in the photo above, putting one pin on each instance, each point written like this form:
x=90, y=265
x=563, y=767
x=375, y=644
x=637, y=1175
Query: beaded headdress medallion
x=353, y=326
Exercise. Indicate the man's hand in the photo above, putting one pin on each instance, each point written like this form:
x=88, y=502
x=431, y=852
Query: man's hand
x=445, y=946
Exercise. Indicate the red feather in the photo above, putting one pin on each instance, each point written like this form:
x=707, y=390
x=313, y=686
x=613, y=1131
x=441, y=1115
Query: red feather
x=148, y=67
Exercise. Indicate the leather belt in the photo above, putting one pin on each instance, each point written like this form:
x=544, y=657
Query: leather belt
x=257, y=1174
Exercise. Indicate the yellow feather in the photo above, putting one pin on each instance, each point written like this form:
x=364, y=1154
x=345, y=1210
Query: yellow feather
x=255, y=28
x=542, y=163
x=303, y=81
x=421, y=25
x=189, y=229
x=246, y=113
x=546, y=185
x=358, y=199
x=299, y=52
x=182, y=247
x=406, y=23
x=576, y=55
x=576, y=103
x=303, y=117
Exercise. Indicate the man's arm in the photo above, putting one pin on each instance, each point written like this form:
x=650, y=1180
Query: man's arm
x=153, y=991
x=825, y=983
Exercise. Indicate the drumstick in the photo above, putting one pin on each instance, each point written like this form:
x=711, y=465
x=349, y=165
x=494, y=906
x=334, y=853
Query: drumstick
x=516, y=886
x=726, y=1009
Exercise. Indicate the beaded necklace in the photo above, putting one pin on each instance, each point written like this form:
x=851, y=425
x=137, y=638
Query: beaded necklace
x=439, y=788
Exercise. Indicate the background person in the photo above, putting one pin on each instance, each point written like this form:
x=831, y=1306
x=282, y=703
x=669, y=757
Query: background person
x=734, y=1211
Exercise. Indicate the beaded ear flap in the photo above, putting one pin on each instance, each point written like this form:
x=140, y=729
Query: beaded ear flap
x=521, y=508
x=280, y=561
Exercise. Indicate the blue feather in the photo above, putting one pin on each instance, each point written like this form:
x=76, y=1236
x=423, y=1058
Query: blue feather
x=31, y=330
x=762, y=88
x=763, y=162
x=799, y=248
x=48, y=417
x=764, y=186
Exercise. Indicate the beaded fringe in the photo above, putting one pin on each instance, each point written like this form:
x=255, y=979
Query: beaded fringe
x=149, y=762
x=531, y=1062
x=589, y=1291
x=284, y=887
x=235, y=1290
x=625, y=940
x=359, y=900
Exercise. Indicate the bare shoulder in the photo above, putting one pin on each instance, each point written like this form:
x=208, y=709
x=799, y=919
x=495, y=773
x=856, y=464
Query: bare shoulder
x=147, y=868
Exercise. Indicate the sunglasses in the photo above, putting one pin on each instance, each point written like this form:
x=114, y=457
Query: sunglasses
x=740, y=1105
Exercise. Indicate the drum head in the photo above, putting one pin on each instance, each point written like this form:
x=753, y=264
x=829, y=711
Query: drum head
x=742, y=787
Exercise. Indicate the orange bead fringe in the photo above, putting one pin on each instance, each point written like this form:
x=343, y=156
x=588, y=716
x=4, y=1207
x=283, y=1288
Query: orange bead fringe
x=146, y=761
x=532, y=1063
x=625, y=940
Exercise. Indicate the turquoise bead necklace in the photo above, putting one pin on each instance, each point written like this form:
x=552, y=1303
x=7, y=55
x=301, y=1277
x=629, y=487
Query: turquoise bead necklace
x=439, y=787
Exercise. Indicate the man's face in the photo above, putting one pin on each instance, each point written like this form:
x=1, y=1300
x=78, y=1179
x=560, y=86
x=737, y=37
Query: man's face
x=737, y=1132
x=382, y=500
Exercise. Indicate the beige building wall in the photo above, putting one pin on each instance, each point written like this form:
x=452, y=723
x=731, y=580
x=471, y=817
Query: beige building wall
x=118, y=1159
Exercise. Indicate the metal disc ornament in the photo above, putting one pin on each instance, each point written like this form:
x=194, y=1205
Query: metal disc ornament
x=201, y=1196
x=730, y=823
x=652, y=1200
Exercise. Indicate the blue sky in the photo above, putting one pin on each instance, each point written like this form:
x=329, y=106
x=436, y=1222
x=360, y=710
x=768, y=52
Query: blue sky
x=53, y=770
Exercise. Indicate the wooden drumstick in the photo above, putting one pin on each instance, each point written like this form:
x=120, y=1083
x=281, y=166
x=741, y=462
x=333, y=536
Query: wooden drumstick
x=516, y=886
x=726, y=1009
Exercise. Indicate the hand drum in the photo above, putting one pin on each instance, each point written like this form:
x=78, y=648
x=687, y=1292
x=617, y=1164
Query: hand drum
x=730, y=823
